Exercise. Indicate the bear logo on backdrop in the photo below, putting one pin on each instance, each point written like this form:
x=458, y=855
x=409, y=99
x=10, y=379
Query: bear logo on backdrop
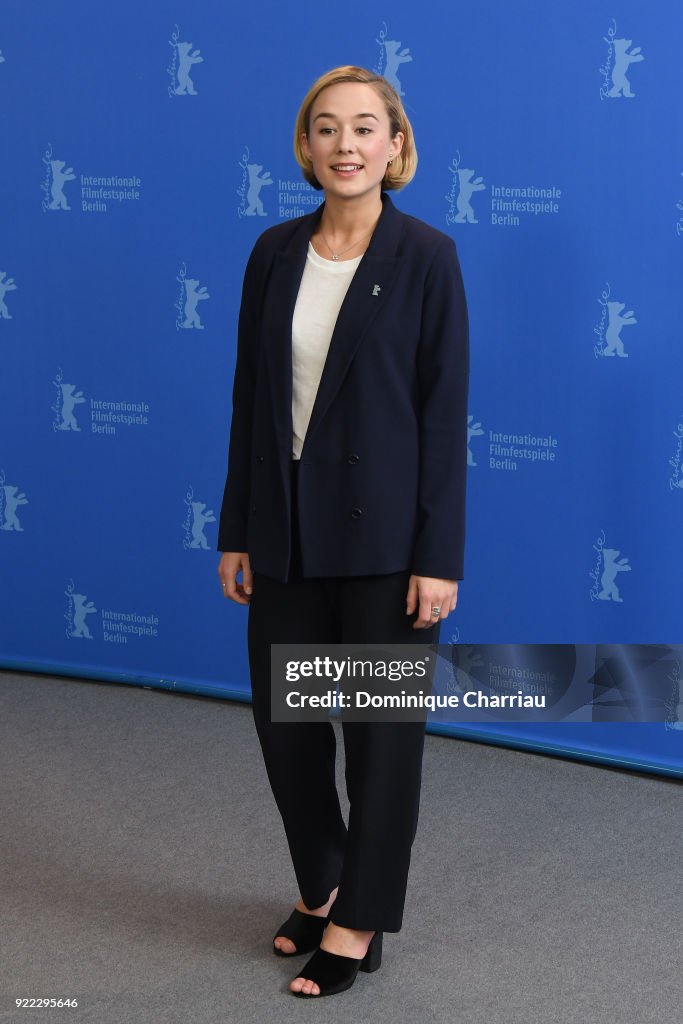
x=77, y=612
x=294, y=196
x=57, y=174
x=7, y=284
x=508, y=202
x=196, y=517
x=473, y=430
x=106, y=416
x=117, y=627
x=391, y=57
x=459, y=197
x=98, y=192
x=608, y=329
x=183, y=59
x=253, y=180
x=68, y=397
x=608, y=564
x=621, y=54
x=11, y=498
x=676, y=476
x=461, y=670
x=191, y=294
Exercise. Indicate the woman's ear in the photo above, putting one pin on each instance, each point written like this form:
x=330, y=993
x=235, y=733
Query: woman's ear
x=397, y=144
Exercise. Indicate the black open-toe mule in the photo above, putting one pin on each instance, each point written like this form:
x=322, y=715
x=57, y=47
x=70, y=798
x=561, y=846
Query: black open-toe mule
x=334, y=973
x=304, y=930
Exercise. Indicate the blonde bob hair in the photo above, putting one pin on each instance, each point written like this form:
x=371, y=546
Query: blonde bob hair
x=402, y=168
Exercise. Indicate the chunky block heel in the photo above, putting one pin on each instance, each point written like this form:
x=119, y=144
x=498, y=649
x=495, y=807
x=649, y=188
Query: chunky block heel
x=373, y=958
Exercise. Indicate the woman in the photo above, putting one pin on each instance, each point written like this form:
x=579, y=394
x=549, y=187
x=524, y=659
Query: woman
x=344, y=504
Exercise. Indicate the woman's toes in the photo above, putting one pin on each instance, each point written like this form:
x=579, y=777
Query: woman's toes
x=310, y=988
x=286, y=945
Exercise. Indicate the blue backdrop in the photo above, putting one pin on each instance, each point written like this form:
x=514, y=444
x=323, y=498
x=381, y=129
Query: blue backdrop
x=144, y=149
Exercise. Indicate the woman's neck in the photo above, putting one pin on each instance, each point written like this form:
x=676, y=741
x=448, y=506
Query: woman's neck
x=346, y=220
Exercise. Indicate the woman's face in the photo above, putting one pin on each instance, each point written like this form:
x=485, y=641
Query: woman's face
x=349, y=139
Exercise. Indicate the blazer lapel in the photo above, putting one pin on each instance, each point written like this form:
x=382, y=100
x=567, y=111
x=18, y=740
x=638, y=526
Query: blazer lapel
x=367, y=293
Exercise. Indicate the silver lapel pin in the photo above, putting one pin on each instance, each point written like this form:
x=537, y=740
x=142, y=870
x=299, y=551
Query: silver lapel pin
x=376, y=289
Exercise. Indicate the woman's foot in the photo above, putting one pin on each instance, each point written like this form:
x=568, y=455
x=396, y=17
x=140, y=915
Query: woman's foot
x=342, y=942
x=286, y=945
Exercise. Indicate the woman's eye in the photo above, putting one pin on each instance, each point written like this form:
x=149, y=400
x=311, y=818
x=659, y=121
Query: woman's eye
x=362, y=129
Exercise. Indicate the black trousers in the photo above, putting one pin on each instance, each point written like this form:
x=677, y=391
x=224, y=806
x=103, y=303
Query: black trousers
x=369, y=860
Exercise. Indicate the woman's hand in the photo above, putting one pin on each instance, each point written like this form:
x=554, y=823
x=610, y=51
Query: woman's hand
x=230, y=564
x=426, y=593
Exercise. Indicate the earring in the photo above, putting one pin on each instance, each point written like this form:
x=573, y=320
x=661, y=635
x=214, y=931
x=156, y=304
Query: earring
x=390, y=162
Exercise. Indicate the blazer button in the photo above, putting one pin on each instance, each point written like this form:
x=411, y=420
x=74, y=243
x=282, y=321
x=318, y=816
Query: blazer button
x=352, y=460
x=356, y=513
x=253, y=509
x=259, y=458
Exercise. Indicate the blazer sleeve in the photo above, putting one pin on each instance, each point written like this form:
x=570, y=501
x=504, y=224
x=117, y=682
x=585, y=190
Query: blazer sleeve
x=232, y=527
x=443, y=382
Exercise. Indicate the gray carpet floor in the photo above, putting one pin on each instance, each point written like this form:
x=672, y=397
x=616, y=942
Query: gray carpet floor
x=143, y=870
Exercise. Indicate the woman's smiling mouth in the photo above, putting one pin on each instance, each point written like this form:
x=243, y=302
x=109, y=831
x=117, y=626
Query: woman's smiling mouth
x=347, y=169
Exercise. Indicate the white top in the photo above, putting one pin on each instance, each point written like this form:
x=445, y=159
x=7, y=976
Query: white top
x=323, y=287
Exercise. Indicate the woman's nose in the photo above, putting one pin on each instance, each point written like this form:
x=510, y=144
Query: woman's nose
x=346, y=141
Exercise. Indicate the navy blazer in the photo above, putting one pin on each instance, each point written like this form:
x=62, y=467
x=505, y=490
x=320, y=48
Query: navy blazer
x=381, y=482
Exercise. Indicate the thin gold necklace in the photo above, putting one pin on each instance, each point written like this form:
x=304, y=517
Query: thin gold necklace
x=336, y=255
